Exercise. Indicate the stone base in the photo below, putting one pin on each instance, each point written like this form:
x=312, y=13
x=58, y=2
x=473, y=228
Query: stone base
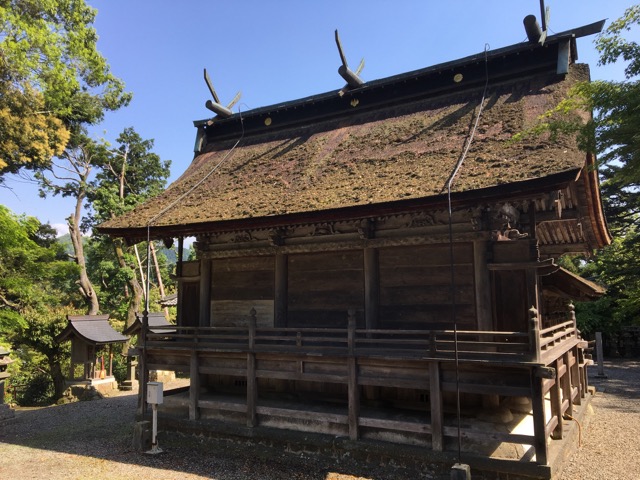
x=129, y=385
x=142, y=436
x=90, y=389
x=460, y=471
x=163, y=376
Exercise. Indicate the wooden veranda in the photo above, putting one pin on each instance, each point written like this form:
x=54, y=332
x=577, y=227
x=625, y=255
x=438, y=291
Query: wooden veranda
x=546, y=366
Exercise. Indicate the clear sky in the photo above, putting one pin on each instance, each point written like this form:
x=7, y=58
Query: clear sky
x=284, y=50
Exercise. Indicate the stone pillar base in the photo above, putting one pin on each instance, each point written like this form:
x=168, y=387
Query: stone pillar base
x=142, y=436
x=128, y=385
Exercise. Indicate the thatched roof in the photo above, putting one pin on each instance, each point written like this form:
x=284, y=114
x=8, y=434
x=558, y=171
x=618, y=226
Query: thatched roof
x=393, y=140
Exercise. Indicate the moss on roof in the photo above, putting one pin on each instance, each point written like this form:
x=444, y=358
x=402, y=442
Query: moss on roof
x=395, y=153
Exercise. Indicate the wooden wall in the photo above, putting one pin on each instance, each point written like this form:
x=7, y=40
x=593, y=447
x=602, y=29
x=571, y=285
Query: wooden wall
x=412, y=288
x=415, y=287
x=239, y=284
x=323, y=286
x=189, y=294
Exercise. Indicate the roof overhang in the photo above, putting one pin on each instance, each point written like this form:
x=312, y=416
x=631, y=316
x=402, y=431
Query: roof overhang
x=508, y=191
x=566, y=284
x=92, y=329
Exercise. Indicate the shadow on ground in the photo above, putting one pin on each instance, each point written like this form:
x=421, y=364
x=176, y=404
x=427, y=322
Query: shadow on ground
x=103, y=431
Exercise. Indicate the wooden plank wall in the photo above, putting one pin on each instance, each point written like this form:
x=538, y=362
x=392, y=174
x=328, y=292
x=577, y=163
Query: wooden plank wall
x=415, y=287
x=189, y=304
x=239, y=284
x=510, y=300
x=323, y=286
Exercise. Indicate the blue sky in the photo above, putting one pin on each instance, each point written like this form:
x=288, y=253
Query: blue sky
x=283, y=50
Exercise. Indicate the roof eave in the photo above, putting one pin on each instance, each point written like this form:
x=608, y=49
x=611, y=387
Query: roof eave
x=513, y=191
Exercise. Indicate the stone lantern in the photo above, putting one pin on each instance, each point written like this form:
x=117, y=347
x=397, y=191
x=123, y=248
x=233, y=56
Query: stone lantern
x=5, y=410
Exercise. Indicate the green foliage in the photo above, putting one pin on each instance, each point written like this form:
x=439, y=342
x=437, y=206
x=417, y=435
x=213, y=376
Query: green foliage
x=53, y=79
x=129, y=175
x=37, y=292
x=613, y=46
x=32, y=389
x=33, y=271
x=612, y=133
x=29, y=136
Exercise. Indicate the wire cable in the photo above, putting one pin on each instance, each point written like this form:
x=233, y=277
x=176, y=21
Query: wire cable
x=145, y=317
x=452, y=177
x=184, y=195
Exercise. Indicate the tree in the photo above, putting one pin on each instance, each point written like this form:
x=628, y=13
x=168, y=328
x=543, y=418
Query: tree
x=53, y=79
x=30, y=136
x=36, y=293
x=612, y=133
x=131, y=174
x=69, y=176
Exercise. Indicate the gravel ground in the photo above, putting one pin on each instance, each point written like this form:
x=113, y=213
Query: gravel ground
x=611, y=444
x=90, y=440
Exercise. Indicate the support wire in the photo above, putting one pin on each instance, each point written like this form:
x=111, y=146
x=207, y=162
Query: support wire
x=145, y=316
x=452, y=177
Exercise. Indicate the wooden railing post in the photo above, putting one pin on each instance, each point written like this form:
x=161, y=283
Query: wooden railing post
x=572, y=314
x=354, y=393
x=576, y=376
x=252, y=392
x=194, y=387
x=556, y=402
x=433, y=346
x=534, y=334
x=435, y=401
x=351, y=331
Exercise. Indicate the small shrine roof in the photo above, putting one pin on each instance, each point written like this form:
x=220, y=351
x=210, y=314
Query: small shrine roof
x=93, y=329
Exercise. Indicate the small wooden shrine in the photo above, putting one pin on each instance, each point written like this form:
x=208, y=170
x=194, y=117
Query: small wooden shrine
x=89, y=336
x=159, y=324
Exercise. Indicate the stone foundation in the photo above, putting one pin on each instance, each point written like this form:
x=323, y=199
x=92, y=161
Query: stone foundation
x=163, y=376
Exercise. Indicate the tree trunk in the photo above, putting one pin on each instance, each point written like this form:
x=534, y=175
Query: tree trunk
x=136, y=297
x=152, y=249
x=86, y=287
x=57, y=376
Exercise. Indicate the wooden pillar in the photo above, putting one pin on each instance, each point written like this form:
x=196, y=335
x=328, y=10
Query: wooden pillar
x=482, y=276
x=556, y=403
x=539, y=422
x=575, y=373
x=194, y=388
x=142, y=365
x=532, y=288
x=435, y=401
x=371, y=288
x=205, y=293
x=566, y=382
x=111, y=359
x=281, y=302
x=252, y=392
x=354, y=393
x=180, y=255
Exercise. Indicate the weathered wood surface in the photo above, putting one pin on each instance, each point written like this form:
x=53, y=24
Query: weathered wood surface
x=342, y=362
